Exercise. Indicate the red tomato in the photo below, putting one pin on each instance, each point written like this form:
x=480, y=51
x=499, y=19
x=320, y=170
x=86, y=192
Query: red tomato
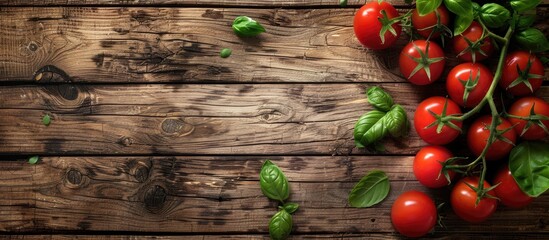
x=481, y=49
x=522, y=108
x=477, y=78
x=477, y=138
x=413, y=214
x=463, y=200
x=427, y=166
x=423, y=118
x=508, y=191
x=430, y=22
x=418, y=56
x=512, y=76
x=367, y=25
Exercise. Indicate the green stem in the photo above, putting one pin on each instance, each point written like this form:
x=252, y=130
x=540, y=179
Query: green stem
x=491, y=34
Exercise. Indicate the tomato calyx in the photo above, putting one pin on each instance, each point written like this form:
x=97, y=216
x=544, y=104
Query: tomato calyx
x=443, y=119
x=469, y=85
x=482, y=192
x=498, y=135
x=532, y=119
x=438, y=28
x=423, y=61
x=524, y=76
x=473, y=48
x=387, y=25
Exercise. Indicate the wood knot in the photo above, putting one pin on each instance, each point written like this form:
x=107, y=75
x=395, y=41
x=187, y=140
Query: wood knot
x=50, y=73
x=32, y=46
x=74, y=178
x=154, y=199
x=274, y=112
x=141, y=172
x=176, y=126
x=69, y=92
x=125, y=141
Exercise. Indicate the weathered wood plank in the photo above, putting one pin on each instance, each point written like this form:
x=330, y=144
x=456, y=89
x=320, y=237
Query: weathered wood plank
x=217, y=3
x=242, y=3
x=503, y=236
x=183, y=44
x=195, y=119
x=214, y=194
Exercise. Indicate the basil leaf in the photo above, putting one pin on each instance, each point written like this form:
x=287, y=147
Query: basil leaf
x=494, y=15
x=290, y=207
x=461, y=23
x=342, y=3
x=273, y=183
x=225, y=53
x=34, y=159
x=425, y=7
x=370, y=190
x=524, y=5
x=46, y=119
x=525, y=21
x=464, y=12
x=247, y=27
x=529, y=165
x=380, y=99
x=397, y=121
x=369, y=128
x=280, y=225
x=532, y=39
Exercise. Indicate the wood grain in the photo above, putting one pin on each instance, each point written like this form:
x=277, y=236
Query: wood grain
x=194, y=194
x=340, y=236
x=300, y=119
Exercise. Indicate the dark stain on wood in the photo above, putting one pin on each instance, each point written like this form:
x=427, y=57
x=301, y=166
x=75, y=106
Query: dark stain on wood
x=213, y=14
x=215, y=70
x=121, y=31
x=57, y=75
x=297, y=164
x=68, y=91
x=107, y=43
x=154, y=198
x=324, y=107
x=83, y=225
x=245, y=89
x=54, y=144
x=99, y=59
x=140, y=16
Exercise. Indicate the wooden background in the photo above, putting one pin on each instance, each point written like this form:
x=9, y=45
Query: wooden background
x=154, y=135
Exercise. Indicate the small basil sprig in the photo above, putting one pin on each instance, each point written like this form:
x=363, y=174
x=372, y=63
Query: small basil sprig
x=275, y=186
x=370, y=190
x=524, y=5
x=529, y=165
x=463, y=9
x=247, y=27
x=387, y=118
x=494, y=15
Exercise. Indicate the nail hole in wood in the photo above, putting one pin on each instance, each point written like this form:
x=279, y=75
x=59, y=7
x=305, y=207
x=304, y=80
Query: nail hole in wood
x=33, y=46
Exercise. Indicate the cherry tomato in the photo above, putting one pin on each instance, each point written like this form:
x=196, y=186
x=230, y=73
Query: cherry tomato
x=477, y=138
x=418, y=56
x=523, y=108
x=463, y=200
x=481, y=49
x=476, y=77
x=430, y=22
x=423, y=119
x=508, y=191
x=367, y=25
x=413, y=214
x=512, y=76
x=427, y=166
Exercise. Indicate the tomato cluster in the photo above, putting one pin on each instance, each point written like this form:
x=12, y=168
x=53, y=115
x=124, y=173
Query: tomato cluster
x=438, y=120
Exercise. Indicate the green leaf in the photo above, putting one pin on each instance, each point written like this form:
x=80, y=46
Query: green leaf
x=463, y=9
x=425, y=7
x=380, y=99
x=529, y=165
x=46, y=119
x=34, y=159
x=369, y=128
x=273, y=183
x=370, y=190
x=524, y=5
x=494, y=15
x=397, y=121
x=225, y=53
x=290, y=207
x=280, y=225
x=342, y=3
x=525, y=21
x=247, y=27
x=532, y=39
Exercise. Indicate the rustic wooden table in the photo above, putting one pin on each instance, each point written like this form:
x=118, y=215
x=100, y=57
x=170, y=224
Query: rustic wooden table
x=153, y=134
